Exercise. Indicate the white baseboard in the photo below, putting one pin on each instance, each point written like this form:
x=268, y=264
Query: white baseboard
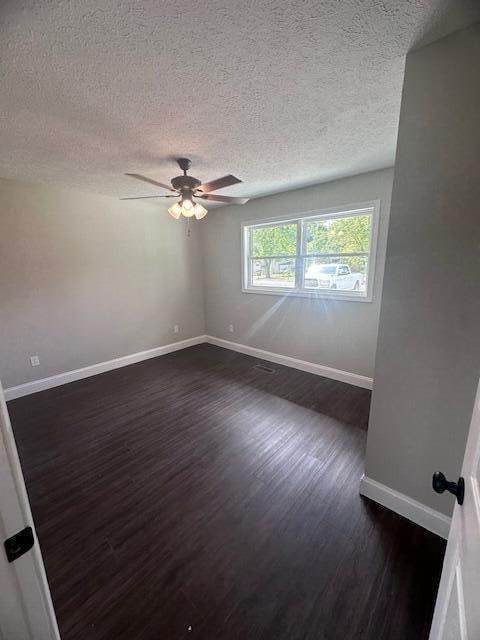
x=94, y=369
x=303, y=365
x=417, y=512
x=101, y=367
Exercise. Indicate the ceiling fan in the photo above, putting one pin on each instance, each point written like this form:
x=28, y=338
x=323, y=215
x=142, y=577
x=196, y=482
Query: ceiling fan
x=188, y=188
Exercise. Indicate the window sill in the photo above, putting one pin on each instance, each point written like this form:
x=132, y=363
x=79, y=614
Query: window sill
x=315, y=295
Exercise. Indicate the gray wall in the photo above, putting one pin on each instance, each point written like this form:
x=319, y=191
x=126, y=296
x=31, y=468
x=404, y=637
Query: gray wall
x=86, y=278
x=334, y=333
x=428, y=355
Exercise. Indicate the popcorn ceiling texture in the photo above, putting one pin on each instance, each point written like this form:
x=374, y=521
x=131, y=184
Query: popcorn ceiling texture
x=282, y=94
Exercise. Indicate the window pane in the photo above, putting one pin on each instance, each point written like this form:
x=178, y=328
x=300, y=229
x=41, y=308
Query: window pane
x=338, y=235
x=272, y=272
x=276, y=240
x=336, y=272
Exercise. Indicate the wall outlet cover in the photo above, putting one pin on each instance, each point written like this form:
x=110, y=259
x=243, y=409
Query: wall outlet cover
x=175, y=328
x=230, y=328
x=34, y=361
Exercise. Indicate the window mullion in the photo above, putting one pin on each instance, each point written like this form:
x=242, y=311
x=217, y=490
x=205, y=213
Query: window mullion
x=299, y=261
x=249, y=261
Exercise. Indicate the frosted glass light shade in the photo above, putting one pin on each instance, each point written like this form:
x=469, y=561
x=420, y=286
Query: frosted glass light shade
x=189, y=211
x=175, y=211
x=199, y=211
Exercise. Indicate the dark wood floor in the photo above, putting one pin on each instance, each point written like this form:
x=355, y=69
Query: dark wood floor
x=194, y=490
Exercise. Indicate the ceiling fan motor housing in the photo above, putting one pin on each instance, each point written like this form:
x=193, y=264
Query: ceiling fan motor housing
x=186, y=185
x=185, y=182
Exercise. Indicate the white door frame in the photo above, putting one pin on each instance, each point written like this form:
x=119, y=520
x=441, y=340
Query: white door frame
x=26, y=610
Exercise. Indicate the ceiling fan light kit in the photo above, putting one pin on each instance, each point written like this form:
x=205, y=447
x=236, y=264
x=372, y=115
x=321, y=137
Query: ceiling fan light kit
x=188, y=209
x=187, y=188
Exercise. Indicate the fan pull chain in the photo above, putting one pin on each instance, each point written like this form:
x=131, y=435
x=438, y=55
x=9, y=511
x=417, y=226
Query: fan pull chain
x=188, y=227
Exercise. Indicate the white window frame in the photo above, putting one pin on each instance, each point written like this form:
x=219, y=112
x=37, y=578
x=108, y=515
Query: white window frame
x=371, y=207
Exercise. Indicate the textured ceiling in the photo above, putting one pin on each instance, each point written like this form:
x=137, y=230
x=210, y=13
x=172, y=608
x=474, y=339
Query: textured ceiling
x=282, y=94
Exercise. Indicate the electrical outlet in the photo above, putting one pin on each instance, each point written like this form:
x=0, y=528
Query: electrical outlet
x=230, y=328
x=175, y=328
x=34, y=361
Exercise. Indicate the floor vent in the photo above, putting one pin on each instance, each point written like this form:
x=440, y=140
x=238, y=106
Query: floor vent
x=263, y=368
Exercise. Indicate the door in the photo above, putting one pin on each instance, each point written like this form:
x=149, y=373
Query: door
x=342, y=277
x=26, y=611
x=457, y=612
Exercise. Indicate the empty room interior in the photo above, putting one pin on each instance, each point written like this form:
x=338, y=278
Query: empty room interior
x=239, y=320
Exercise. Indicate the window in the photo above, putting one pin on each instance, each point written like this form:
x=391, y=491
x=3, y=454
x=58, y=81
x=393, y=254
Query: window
x=319, y=254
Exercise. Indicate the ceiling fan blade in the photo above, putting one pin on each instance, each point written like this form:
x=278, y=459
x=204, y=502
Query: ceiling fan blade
x=150, y=181
x=226, y=181
x=227, y=199
x=148, y=197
